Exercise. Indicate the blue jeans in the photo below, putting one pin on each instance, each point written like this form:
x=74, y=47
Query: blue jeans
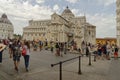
x=26, y=58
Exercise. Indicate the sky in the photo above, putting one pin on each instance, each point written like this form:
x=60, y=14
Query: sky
x=101, y=13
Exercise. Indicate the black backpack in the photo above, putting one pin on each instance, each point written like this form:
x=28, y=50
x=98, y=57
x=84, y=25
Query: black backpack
x=17, y=51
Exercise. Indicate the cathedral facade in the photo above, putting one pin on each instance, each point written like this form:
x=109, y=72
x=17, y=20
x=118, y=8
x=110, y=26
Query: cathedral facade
x=6, y=28
x=61, y=28
x=118, y=21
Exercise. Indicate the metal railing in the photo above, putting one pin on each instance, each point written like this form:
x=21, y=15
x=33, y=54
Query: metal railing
x=89, y=56
x=60, y=66
x=79, y=66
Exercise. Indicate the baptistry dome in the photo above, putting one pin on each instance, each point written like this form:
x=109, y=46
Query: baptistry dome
x=4, y=19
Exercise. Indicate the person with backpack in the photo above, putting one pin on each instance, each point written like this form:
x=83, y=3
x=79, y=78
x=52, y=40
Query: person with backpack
x=16, y=54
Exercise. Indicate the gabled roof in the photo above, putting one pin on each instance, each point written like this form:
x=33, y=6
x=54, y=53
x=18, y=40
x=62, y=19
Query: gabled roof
x=88, y=24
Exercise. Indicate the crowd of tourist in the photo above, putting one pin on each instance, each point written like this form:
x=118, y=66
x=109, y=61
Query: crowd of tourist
x=102, y=51
x=18, y=48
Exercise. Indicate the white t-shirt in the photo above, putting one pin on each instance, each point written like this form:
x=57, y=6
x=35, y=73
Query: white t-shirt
x=28, y=50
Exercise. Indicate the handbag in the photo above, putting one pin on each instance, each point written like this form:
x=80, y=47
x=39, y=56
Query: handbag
x=23, y=52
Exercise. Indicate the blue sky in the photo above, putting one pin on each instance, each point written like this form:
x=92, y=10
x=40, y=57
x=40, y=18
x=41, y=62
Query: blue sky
x=101, y=13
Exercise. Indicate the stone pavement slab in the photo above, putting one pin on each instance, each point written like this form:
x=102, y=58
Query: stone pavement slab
x=97, y=71
x=40, y=68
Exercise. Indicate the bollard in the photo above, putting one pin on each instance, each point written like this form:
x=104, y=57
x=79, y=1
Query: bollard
x=94, y=57
x=60, y=71
x=89, y=58
x=79, y=70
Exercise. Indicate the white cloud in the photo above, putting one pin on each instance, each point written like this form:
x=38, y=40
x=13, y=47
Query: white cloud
x=40, y=1
x=106, y=2
x=20, y=12
x=105, y=24
x=1, y=11
x=72, y=1
x=56, y=8
x=75, y=11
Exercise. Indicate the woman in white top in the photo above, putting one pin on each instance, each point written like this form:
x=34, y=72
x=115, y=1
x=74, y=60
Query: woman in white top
x=27, y=56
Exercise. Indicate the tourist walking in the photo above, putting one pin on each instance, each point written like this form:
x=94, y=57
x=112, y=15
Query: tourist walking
x=61, y=49
x=65, y=48
x=87, y=49
x=95, y=48
x=83, y=47
x=51, y=47
x=16, y=54
x=108, y=47
x=57, y=49
x=104, y=51
x=116, y=52
x=26, y=46
x=40, y=45
x=46, y=45
x=35, y=46
x=10, y=48
x=99, y=51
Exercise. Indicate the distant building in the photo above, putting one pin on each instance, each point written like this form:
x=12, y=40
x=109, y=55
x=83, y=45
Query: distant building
x=61, y=28
x=6, y=28
x=118, y=21
x=104, y=40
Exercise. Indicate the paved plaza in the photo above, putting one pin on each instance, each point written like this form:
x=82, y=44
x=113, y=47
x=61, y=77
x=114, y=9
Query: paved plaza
x=40, y=68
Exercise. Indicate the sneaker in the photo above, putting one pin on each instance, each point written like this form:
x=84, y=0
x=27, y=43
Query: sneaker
x=61, y=55
x=27, y=70
x=16, y=69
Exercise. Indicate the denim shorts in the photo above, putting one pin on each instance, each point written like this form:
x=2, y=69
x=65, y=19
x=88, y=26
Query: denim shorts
x=16, y=58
